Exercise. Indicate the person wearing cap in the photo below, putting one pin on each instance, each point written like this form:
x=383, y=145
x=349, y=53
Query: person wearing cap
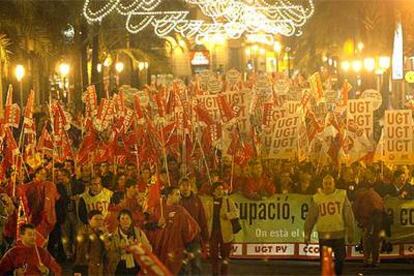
x=91, y=242
x=220, y=210
x=331, y=211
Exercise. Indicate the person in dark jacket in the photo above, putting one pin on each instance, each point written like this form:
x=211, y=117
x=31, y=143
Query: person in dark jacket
x=398, y=188
x=67, y=219
x=369, y=212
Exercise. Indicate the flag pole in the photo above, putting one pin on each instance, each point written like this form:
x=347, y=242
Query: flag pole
x=164, y=152
x=204, y=159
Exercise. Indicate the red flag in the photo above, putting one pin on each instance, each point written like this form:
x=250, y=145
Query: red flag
x=160, y=101
x=60, y=122
x=226, y=111
x=203, y=114
x=171, y=101
x=313, y=126
x=12, y=111
x=10, y=148
x=119, y=100
x=12, y=115
x=88, y=145
x=105, y=114
x=138, y=108
x=45, y=140
x=90, y=99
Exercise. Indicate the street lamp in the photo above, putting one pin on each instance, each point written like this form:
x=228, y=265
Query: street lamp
x=369, y=64
x=356, y=66
x=19, y=73
x=345, y=65
x=384, y=62
x=119, y=67
x=64, y=69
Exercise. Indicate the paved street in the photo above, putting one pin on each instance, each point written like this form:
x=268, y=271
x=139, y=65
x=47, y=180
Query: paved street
x=292, y=267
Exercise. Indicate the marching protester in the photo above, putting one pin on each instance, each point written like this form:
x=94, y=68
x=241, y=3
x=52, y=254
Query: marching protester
x=66, y=209
x=220, y=210
x=120, y=262
x=399, y=186
x=95, y=198
x=193, y=204
x=91, y=243
x=369, y=211
x=26, y=258
x=39, y=199
x=130, y=200
x=331, y=211
x=176, y=230
x=257, y=184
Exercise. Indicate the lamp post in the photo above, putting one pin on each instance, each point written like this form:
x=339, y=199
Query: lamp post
x=64, y=69
x=19, y=73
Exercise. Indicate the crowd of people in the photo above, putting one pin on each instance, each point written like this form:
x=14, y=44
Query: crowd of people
x=88, y=216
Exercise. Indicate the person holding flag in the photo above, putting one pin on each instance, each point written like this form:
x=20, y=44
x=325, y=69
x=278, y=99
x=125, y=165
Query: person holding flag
x=39, y=199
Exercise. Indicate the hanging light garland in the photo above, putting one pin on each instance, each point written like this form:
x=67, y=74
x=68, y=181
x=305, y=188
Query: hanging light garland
x=230, y=18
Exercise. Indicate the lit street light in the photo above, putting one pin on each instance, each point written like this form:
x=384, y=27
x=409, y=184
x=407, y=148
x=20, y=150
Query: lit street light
x=345, y=65
x=119, y=67
x=356, y=66
x=369, y=64
x=19, y=73
x=64, y=70
x=384, y=62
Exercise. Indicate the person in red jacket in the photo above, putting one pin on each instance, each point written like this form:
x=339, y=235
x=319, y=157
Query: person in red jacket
x=26, y=258
x=257, y=185
x=39, y=199
x=369, y=212
x=176, y=229
x=192, y=203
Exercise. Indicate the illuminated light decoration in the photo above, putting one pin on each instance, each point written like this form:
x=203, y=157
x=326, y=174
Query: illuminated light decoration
x=200, y=59
x=260, y=38
x=230, y=18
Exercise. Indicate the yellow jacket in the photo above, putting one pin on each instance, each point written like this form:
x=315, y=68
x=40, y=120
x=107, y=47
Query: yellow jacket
x=225, y=217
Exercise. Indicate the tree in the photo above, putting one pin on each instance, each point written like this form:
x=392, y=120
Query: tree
x=4, y=59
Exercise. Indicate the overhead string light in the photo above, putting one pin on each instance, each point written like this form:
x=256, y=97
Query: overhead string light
x=229, y=18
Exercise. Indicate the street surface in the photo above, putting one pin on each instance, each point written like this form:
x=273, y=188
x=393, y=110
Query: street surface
x=294, y=267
